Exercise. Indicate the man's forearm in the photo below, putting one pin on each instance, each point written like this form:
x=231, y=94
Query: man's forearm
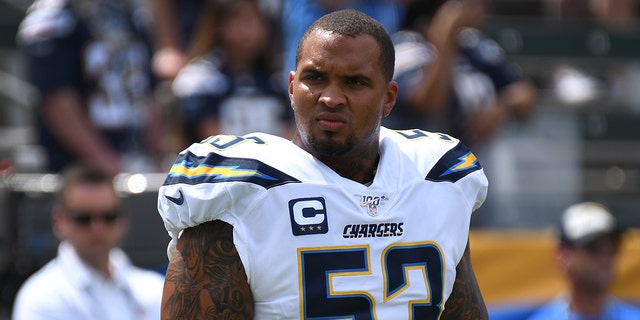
x=466, y=300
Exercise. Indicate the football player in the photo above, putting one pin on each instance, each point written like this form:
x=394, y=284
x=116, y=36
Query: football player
x=349, y=220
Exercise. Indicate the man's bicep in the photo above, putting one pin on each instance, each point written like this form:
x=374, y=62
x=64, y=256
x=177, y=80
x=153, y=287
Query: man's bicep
x=205, y=278
x=465, y=302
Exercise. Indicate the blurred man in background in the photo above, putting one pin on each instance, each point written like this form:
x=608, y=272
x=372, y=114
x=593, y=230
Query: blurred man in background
x=90, y=61
x=90, y=278
x=589, y=240
x=459, y=81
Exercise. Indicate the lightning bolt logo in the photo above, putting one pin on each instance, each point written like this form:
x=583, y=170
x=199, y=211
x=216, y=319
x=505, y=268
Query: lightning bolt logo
x=467, y=161
x=217, y=172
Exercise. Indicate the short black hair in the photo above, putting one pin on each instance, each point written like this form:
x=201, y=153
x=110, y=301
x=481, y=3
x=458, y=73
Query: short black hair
x=82, y=173
x=352, y=23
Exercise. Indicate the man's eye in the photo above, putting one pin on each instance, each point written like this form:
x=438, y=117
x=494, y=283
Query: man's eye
x=312, y=77
x=355, y=82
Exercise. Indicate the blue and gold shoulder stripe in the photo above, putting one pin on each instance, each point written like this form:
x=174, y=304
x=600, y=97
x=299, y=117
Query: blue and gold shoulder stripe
x=214, y=168
x=454, y=165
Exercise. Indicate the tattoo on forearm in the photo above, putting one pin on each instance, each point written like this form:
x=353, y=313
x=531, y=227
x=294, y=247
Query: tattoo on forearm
x=465, y=302
x=206, y=279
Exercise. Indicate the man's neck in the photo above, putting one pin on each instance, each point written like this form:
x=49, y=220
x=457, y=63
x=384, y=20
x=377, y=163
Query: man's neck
x=100, y=264
x=359, y=166
x=588, y=303
x=359, y=170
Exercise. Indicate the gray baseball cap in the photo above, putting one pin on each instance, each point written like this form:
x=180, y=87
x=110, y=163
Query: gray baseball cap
x=584, y=222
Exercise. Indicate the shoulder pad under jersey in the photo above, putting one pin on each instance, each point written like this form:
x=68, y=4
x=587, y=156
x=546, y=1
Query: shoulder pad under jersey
x=202, y=163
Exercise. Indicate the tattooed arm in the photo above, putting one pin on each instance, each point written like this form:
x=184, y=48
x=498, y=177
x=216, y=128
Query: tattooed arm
x=465, y=302
x=205, y=278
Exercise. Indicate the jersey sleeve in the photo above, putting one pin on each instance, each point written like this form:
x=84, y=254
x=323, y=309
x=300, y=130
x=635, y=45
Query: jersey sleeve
x=182, y=205
x=460, y=166
x=205, y=185
x=441, y=158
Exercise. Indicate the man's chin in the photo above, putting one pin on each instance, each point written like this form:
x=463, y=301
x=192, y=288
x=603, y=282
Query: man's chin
x=329, y=147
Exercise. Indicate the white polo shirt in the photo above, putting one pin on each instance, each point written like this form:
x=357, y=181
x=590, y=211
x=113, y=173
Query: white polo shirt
x=66, y=288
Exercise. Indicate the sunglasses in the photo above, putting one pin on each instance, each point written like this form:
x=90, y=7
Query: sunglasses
x=84, y=219
x=601, y=245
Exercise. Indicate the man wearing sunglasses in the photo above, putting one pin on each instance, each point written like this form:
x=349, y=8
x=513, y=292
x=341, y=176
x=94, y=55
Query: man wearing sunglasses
x=91, y=278
x=589, y=239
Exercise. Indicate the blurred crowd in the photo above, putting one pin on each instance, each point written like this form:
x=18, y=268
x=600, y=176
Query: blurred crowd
x=128, y=84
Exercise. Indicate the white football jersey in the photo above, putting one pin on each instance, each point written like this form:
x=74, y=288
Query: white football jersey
x=318, y=246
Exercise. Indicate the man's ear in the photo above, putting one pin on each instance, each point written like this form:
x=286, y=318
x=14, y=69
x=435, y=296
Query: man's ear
x=392, y=94
x=562, y=257
x=58, y=222
x=292, y=75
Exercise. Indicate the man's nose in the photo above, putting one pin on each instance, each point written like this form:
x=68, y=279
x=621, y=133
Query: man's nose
x=333, y=95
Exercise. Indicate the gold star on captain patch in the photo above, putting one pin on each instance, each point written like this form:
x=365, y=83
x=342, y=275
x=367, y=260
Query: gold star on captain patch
x=319, y=228
x=311, y=228
x=303, y=229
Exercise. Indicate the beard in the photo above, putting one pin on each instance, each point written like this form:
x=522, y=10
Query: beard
x=328, y=147
x=325, y=144
x=594, y=281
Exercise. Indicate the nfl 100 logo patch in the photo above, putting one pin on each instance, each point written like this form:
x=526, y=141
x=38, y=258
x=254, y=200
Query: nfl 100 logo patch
x=372, y=203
